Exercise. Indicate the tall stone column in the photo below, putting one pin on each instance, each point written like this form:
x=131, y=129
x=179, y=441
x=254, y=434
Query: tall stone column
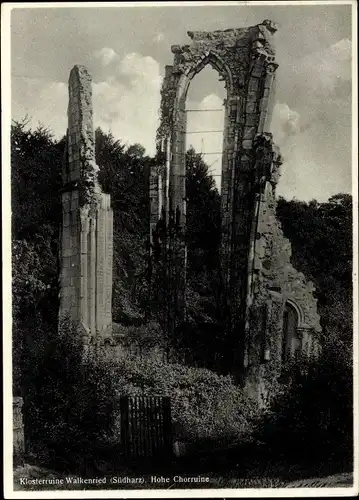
x=177, y=215
x=160, y=271
x=87, y=222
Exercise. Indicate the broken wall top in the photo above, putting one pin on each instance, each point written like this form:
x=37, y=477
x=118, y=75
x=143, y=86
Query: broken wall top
x=233, y=53
x=80, y=164
x=241, y=40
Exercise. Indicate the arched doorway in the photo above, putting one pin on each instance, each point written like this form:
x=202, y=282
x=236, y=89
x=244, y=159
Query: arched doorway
x=290, y=341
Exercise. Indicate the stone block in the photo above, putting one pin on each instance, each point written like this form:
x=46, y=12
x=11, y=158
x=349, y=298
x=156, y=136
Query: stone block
x=257, y=70
x=266, y=93
x=247, y=144
x=262, y=121
x=249, y=133
x=251, y=107
x=251, y=119
x=264, y=104
x=65, y=198
x=253, y=85
x=18, y=432
x=252, y=97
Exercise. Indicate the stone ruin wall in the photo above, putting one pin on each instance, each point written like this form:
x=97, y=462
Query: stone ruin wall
x=87, y=224
x=273, y=282
x=86, y=253
x=245, y=60
x=18, y=431
x=255, y=256
x=256, y=271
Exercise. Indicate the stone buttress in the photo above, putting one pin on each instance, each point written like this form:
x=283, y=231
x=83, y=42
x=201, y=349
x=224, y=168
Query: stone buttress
x=87, y=221
x=282, y=322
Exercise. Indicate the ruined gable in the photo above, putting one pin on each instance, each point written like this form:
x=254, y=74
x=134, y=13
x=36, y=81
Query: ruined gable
x=274, y=286
x=260, y=288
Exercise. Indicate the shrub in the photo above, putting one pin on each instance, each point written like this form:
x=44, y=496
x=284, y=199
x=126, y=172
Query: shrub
x=143, y=338
x=313, y=412
x=204, y=405
x=70, y=401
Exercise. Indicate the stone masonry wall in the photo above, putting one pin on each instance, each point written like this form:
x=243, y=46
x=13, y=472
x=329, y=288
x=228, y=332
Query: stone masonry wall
x=273, y=282
x=257, y=277
x=245, y=60
x=87, y=227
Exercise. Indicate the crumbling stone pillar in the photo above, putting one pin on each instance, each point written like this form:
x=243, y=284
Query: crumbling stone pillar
x=18, y=431
x=87, y=224
x=160, y=276
x=273, y=282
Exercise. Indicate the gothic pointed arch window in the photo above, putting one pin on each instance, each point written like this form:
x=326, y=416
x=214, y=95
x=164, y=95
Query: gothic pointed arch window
x=290, y=340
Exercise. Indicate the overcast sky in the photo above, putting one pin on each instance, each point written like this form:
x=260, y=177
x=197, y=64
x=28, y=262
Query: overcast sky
x=126, y=50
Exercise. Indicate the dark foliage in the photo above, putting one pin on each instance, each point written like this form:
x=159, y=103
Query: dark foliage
x=198, y=339
x=203, y=239
x=316, y=411
x=69, y=402
x=124, y=173
x=205, y=406
x=36, y=162
x=321, y=236
x=311, y=418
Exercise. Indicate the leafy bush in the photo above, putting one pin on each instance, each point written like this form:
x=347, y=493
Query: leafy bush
x=311, y=417
x=321, y=238
x=143, y=338
x=72, y=404
x=204, y=405
x=69, y=404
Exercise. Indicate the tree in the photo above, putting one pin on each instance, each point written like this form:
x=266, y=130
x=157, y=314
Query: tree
x=203, y=237
x=36, y=160
x=321, y=236
x=36, y=165
x=198, y=338
x=203, y=211
x=124, y=173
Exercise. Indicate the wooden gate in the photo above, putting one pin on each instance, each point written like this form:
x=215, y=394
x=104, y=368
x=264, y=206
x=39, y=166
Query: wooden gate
x=146, y=427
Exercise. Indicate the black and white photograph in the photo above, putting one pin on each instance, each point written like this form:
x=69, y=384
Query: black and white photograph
x=180, y=249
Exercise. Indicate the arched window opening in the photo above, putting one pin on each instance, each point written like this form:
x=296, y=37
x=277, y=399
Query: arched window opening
x=205, y=120
x=204, y=131
x=263, y=320
x=290, y=344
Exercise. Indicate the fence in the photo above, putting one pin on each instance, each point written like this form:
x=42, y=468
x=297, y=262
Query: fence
x=146, y=427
